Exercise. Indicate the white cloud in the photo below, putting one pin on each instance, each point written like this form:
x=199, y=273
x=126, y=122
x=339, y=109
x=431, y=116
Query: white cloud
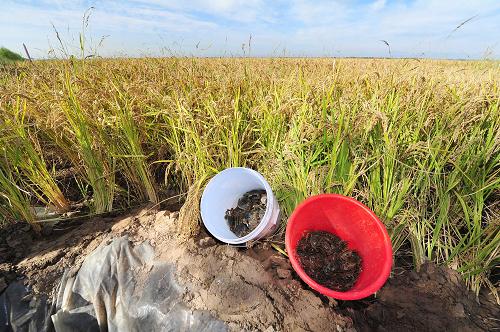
x=378, y=4
x=236, y=10
x=318, y=12
x=413, y=29
x=303, y=27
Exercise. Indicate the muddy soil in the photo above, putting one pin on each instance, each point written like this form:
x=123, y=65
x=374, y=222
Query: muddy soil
x=252, y=289
x=328, y=261
x=41, y=259
x=248, y=213
x=15, y=240
x=434, y=299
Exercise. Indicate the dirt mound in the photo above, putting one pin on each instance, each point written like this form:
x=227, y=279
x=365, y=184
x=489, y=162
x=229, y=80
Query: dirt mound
x=246, y=292
x=246, y=295
x=254, y=289
x=434, y=299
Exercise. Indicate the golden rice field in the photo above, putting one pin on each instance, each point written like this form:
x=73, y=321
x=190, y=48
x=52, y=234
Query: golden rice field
x=418, y=141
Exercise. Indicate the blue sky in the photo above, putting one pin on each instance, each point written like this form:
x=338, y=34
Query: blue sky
x=279, y=27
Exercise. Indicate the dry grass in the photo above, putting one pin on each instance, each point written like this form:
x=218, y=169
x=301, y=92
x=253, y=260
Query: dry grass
x=416, y=140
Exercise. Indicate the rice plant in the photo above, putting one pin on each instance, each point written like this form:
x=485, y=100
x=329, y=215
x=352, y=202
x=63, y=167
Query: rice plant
x=22, y=149
x=90, y=140
x=14, y=201
x=417, y=141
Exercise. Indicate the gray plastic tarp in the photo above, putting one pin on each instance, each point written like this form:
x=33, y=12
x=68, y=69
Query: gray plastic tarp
x=119, y=287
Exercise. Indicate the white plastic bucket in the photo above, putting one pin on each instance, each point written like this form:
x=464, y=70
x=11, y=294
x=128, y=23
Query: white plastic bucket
x=222, y=193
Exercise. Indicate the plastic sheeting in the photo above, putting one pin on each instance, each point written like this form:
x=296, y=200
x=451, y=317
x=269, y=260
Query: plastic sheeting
x=119, y=287
x=21, y=311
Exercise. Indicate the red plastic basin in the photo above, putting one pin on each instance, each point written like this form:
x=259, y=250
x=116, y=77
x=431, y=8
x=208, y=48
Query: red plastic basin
x=354, y=223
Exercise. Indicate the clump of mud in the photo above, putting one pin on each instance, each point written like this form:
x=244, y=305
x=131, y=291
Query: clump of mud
x=247, y=215
x=15, y=241
x=328, y=261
